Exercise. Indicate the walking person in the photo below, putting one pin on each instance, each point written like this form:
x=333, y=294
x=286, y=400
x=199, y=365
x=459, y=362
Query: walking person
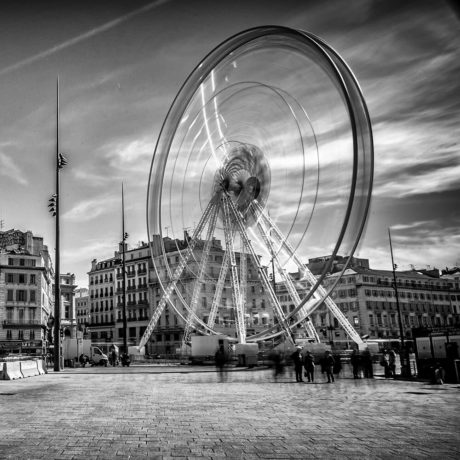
x=298, y=361
x=366, y=359
x=355, y=362
x=329, y=362
x=392, y=363
x=277, y=363
x=309, y=366
x=221, y=361
x=384, y=362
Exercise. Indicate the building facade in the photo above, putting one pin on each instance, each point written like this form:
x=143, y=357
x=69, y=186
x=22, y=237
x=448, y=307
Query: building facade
x=26, y=292
x=368, y=299
x=144, y=292
x=68, y=312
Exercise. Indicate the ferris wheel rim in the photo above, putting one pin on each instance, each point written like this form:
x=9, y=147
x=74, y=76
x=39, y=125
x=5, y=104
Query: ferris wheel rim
x=233, y=43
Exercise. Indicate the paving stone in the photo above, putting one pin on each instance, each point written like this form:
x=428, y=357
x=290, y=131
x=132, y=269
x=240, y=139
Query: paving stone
x=155, y=413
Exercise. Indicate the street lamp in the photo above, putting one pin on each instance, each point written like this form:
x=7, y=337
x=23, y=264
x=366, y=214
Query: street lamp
x=124, y=237
x=405, y=368
x=53, y=206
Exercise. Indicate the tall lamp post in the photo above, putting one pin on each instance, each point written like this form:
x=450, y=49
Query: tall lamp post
x=405, y=368
x=53, y=206
x=123, y=268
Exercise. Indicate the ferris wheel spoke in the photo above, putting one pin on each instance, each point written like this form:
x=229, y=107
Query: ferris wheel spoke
x=200, y=278
x=236, y=293
x=278, y=311
x=177, y=274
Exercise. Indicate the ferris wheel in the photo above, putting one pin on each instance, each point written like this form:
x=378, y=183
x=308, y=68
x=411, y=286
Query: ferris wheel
x=266, y=149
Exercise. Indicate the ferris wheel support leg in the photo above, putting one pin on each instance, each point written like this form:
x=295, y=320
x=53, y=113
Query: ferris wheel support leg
x=243, y=275
x=265, y=234
x=236, y=293
x=263, y=276
x=176, y=275
x=308, y=275
x=199, y=280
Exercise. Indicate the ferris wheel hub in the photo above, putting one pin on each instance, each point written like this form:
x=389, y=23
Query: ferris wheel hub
x=244, y=176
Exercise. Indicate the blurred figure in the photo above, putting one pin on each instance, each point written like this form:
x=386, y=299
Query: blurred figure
x=329, y=362
x=384, y=362
x=366, y=360
x=221, y=361
x=439, y=374
x=309, y=366
x=83, y=359
x=277, y=363
x=392, y=364
x=298, y=362
x=355, y=363
x=113, y=355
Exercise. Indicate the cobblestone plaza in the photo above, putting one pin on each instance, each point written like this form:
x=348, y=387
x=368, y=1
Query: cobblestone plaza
x=182, y=412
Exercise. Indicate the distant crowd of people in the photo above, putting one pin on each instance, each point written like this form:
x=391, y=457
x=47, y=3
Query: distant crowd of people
x=305, y=363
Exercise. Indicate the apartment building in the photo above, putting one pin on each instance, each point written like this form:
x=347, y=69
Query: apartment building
x=26, y=292
x=368, y=299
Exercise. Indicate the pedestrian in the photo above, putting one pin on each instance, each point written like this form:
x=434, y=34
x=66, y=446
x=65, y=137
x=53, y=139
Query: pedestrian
x=392, y=363
x=298, y=361
x=355, y=362
x=309, y=366
x=439, y=374
x=221, y=361
x=329, y=362
x=366, y=360
x=277, y=363
x=384, y=362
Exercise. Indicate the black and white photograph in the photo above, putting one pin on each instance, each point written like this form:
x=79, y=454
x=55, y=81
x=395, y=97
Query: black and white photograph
x=229, y=229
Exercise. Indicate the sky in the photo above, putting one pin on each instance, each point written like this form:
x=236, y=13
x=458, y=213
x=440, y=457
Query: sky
x=121, y=63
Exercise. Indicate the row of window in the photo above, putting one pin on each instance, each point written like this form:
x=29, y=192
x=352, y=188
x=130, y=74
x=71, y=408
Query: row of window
x=408, y=283
x=21, y=278
x=102, y=278
x=345, y=306
x=99, y=306
x=21, y=334
x=418, y=307
x=342, y=293
x=103, y=292
x=410, y=321
x=22, y=313
x=21, y=295
x=133, y=269
x=21, y=262
x=410, y=295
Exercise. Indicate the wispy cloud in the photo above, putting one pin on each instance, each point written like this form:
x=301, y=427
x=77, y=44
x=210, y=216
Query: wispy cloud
x=75, y=40
x=134, y=155
x=91, y=208
x=9, y=168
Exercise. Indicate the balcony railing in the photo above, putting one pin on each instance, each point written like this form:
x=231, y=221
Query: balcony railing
x=22, y=322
